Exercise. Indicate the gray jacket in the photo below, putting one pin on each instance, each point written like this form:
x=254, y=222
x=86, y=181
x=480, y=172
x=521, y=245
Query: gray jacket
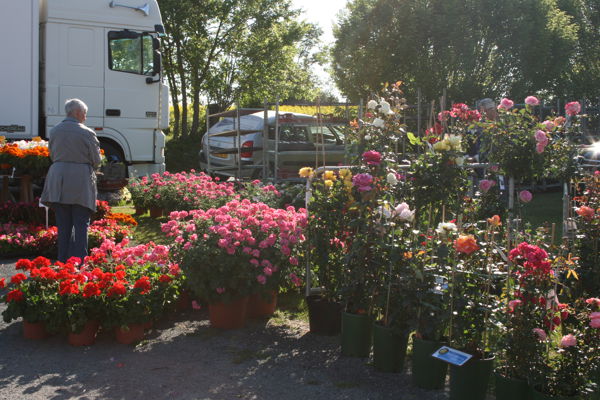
x=75, y=154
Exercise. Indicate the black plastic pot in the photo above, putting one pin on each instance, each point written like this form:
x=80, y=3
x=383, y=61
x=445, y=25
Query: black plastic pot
x=427, y=372
x=325, y=317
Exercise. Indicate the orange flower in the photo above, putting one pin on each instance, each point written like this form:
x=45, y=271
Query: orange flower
x=466, y=244
x=494, y=221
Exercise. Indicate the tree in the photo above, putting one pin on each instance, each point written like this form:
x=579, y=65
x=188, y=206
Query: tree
x=582, y=80
x=221, y=50
x=473, y=48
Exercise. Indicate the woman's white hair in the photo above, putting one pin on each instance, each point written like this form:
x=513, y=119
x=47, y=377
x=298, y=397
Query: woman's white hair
x=72, y=105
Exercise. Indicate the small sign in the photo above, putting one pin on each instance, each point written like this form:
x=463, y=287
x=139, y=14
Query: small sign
x=452, y=356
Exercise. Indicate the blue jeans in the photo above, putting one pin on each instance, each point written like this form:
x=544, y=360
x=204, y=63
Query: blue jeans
x=72, y=221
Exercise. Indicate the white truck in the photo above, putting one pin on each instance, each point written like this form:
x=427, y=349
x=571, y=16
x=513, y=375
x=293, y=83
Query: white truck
x=106, y=53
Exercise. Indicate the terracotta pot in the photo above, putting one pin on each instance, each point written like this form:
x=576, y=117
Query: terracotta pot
x=184, y=302
x=228, y=315
x=34, y=330
x=87, y=336
x=140, y=210
x=258, y=307
x=133, y=333
x=156, y=212
x=148, y=325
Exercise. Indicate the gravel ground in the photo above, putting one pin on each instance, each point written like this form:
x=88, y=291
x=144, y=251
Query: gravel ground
x=183, y=358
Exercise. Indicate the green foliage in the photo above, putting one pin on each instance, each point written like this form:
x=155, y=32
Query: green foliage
x=227, y=50
x=474, y=48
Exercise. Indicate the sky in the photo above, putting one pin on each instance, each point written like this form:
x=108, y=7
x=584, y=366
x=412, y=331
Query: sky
x=323, y=13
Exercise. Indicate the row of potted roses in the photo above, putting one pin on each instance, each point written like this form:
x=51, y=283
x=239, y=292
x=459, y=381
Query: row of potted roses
x=115, y=287
x=401, y=271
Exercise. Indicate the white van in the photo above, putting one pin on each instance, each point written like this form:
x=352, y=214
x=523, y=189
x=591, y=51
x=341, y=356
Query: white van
x=302, y=142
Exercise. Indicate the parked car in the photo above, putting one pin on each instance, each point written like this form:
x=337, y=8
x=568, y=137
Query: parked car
x=302, y=142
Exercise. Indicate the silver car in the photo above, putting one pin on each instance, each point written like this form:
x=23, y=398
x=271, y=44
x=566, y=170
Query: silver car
x=303, y=142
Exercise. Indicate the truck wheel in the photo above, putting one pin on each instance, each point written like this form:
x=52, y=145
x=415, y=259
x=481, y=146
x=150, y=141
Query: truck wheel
x=112, y=152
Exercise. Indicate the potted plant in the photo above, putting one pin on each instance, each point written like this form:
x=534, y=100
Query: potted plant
x=526, y=320
x=570, y=368
x=329, y=212
x=226, y=252
x=471, y=304
x=34, y=296
x=394, y=306
x=432, y=311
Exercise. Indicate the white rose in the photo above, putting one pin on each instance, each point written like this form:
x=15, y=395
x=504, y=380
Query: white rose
x=385, y=107
x=378, y=122
x=407, y=215
x=460, y=161
x=371, y=104
x=385, y=211
x=454, y=141
x=367, y=137
x=391, y=178
x=444, y=228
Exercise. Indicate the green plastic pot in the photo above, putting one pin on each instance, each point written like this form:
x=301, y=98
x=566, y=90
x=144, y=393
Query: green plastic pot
x=356, y=335
x=537, y=395
x=427, y=372
x=471, y=380
x=389, y=349
x=511, y=389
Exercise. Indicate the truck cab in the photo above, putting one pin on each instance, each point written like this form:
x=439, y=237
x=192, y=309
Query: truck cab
x=106, y=53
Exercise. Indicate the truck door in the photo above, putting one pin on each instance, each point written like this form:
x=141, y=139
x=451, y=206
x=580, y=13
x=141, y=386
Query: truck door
x=131, y=105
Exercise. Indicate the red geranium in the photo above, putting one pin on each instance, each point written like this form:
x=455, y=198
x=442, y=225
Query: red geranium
x=14, y=295
x=2, y=283
x=18, y=278
x=143, y=284
x=24, y=264
x=91, y=289
x=117, y=289
x=165, y=279
x=68, y=287
x=40, y=262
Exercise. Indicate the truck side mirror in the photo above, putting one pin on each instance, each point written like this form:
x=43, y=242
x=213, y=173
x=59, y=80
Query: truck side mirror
x=156, y=62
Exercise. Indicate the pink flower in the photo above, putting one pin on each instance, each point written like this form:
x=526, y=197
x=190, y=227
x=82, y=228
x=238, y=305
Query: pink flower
x=261, y=279
x=586, y=212
x=593, y=300
x=548, y=125
x=573, y=108
x=595, y=323
x=525, y=196
x=540, y=333
x=267, y=271
x=532, y=101
x=371, y=157
x=540, y=136
x=568, y=341
x=513, y=304
x=506, y=104
x=362, y=182
x=220, y=290
x=540, y=147
x=195, y=305
x=486, y=184
x=595, y=315
x=293, y=261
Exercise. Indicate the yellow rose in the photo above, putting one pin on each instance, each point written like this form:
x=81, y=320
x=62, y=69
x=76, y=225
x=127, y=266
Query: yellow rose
x=305, y=172
x=345, y=172
x=329, y=175
x=36, y=139
x=328, y=182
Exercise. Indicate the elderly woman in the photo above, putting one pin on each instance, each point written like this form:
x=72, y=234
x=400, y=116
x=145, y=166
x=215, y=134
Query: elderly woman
x=70, y=187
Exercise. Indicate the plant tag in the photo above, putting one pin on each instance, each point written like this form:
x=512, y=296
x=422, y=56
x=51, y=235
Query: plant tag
x=501, y=182
x=452, y=356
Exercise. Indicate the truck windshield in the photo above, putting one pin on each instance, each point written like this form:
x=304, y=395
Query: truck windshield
x=133, y=55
